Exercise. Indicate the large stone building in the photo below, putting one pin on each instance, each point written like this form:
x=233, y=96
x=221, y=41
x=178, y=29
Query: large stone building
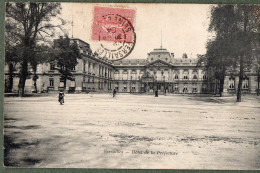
x=161, y=71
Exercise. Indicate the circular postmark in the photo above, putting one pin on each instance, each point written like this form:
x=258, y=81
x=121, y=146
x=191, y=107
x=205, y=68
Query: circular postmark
x=116, y=36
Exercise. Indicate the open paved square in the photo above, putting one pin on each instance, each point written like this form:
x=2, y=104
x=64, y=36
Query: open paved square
x=133, y=131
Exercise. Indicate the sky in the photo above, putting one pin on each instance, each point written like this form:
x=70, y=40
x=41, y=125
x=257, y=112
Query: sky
x=183, y=26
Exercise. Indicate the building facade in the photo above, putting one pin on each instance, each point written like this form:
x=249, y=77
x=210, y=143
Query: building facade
x=161, y=71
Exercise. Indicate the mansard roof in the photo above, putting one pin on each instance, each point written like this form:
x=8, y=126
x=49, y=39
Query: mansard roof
x=132, y=62
x=157, y=57
x=159, y=50
x=184, y=61
x=159, y=63
x=160, y=53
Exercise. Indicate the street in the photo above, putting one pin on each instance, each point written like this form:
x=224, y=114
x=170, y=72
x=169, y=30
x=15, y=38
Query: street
x=132, y=131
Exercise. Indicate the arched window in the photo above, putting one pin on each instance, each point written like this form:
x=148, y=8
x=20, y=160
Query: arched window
x=185, y=75
x=204, y=77
x=176, y=76
x=195, y=77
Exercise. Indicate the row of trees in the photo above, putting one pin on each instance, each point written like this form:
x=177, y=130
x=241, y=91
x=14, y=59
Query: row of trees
x=235, y=44
x=27, y=29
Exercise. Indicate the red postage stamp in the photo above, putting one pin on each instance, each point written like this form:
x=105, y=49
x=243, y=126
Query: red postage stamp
x=113, y=24
x=113, y=27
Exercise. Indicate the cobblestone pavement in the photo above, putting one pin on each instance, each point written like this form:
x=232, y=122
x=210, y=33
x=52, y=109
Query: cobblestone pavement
x=132, y=131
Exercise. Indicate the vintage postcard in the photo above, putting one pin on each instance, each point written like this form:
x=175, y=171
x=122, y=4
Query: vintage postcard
x=132, y=86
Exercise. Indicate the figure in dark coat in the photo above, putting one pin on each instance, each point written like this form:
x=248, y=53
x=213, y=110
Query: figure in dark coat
x=114, y=92
x=156, y=93
x=61, y=97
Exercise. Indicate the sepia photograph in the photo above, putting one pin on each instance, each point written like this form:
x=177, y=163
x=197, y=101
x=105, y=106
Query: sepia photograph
x=131, y=86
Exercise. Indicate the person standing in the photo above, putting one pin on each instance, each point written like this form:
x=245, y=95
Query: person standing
x=156, y=93
x=114, y=92
x=61, y=97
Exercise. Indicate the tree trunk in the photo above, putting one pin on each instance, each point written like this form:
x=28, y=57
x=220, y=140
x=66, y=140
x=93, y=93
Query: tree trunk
x=35, y=77
x=11, y=80
x=216, y=87
x=23, y=77
x=35, y=86
x=221, y=86
x=65, y=82
x=35, y=83
x=258, y=80
x=241, y=71
x=241, y=74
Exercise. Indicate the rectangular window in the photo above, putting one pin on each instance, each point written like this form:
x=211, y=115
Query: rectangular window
x=133, y=86
x=61, y=82
x=245, y=84
x=176, y=88
x=51, y=82
x=89, y=66
x=52, y=66
x=84, y=67
x=125, y=76
x=72, y=83
x=116, y=86
x=125, y=86
x=185, y=88
x=231, y=83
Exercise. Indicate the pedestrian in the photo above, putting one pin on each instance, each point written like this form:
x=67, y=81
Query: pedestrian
x=114, y=92
x=156, y=93
x=61, y=97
